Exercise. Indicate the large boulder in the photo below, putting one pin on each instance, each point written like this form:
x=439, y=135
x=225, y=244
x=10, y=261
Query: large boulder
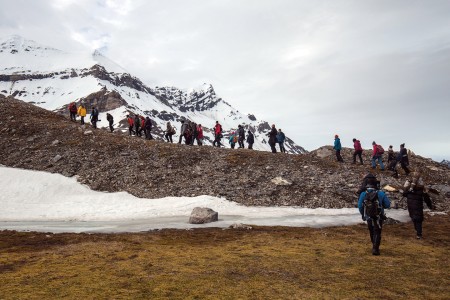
x=201, y=215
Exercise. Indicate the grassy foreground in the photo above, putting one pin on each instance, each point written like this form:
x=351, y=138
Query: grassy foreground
x=262, y=263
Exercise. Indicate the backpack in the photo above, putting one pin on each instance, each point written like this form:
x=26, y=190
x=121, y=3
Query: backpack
x=380, y=149
x=235, y=139
x=372, y=208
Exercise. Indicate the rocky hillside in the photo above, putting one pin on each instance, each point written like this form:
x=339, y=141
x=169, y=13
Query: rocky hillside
x=38, y=139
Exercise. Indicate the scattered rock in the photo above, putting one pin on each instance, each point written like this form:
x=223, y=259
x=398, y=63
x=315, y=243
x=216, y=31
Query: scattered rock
x=88, y=132
x=390, y=221
x=389, y=188
x=280, y=181
x=57, y=158
x=202, y=215
x=240, y=226
x=55, y=142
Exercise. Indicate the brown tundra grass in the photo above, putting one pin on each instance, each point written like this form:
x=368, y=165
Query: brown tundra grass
x=262, y=263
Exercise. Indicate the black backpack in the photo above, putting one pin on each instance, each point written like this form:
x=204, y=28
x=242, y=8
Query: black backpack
x=372, y=208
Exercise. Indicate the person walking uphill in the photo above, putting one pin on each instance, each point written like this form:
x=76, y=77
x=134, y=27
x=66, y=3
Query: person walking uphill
x=415, y=194
x=377, y=156
x=200, y=135
x=73, y=111
x=273, y=138
x=250, y=139
x=217, y=134
x=338, y=147
x=148, y=128
x=130, y=121
x=403, y=158
x=137, y=125
x=184, y=126
x=82, y=112
x=241, y=138
x=280, y=139
x=358, y=151
x=94, y=116
x=169, y=132
x=371, y=205
x=110, y=120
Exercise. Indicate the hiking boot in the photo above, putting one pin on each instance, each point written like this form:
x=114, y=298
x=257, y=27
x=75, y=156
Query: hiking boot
x=419, y=237
x=375, y=251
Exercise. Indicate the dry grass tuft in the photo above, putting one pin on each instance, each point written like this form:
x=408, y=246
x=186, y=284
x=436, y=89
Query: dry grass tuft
x=263, y=263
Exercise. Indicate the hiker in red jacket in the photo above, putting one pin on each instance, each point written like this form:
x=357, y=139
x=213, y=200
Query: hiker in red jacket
x=130, y=124
x=217, y=134
x=199, y=135
x=73, y=111
x=358, y=151
x=377, y=156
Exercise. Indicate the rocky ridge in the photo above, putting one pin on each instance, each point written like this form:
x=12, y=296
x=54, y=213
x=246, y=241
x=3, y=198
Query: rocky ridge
x=37, y=139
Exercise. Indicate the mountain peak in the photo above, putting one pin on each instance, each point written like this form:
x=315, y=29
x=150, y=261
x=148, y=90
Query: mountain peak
x=18, y=44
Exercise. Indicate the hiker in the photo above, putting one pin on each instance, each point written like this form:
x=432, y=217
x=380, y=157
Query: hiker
x=415, y=193
x=110, y=119
x=193, y=127
x=241, y=138
x=188, y=136
x=169, y=132
x=358, y=151
x=217, y=134
x=82, y=112
x=130, y=121
x=73, y=111
x=403, y=158
x=183, y=128
x=199, y=135
x=250, y=139
x=148, y=128
x=143, y=126
x=280, y=139
x=391, y=155
x=338, y=147
x=94, y=116
x=273, y=138
x=377, y=156
x=232, y=140
x=137, y=125
x=369, y=178
x=371, y=205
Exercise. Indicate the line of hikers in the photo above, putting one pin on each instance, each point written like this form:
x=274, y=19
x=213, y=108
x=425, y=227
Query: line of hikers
x=372, y=201
x=377, y=155
x=189, y=130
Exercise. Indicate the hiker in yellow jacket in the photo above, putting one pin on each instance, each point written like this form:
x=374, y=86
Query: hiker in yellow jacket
x=82, y=112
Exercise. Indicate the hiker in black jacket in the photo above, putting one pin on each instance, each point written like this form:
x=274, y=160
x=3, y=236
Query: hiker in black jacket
x=250, y=139
x=110, y=120
x=273, y=138
x=241, y=138
x=416, y=195
x=148, y=129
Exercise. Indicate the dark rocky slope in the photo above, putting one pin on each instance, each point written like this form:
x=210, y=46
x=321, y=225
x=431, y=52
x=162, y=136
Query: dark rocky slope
x=37, y=139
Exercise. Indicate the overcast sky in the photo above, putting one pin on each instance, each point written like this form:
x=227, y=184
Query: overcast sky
x=374, y=70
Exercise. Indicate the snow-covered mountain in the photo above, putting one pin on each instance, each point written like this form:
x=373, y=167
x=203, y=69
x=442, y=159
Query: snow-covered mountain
x=52, y=78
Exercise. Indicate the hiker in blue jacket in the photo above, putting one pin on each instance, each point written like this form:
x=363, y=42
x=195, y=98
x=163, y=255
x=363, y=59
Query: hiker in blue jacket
x=280, y=138
x=374, y=223
x=338, y=147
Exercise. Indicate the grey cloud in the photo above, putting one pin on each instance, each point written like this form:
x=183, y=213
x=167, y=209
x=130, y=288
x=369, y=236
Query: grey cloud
x=367, y=69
